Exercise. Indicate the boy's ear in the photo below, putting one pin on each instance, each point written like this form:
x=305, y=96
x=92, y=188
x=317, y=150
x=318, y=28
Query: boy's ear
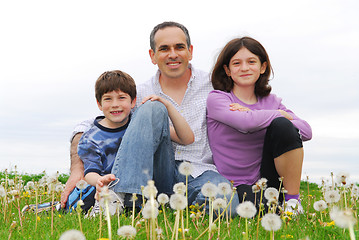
x=133, y=103
x=99, y=105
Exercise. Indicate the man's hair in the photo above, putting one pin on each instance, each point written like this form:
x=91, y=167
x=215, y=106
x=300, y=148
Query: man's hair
x=165, y=25
x=114, y=81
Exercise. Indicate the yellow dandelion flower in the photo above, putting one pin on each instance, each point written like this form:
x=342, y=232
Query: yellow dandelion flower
x=330, y=223
x=289, y=213
x=38, y=218
x=180, y=229
x=60, y=215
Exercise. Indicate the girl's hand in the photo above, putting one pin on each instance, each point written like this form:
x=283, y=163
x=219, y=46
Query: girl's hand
x=285, y=114
x=236, y=106
x=155, y=98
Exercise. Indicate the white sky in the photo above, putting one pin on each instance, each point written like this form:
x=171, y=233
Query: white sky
x=51, y=53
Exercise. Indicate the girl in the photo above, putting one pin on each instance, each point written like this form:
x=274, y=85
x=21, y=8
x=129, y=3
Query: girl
x=252, y=135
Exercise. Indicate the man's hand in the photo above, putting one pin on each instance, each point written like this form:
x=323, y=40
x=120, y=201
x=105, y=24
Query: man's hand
x=77, y=170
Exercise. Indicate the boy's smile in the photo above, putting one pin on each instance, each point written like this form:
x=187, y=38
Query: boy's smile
x=116, y=106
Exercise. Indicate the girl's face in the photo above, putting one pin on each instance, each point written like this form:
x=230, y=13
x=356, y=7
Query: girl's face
x=245, y=68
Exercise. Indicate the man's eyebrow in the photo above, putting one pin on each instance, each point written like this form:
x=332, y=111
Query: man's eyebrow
x=177, y=45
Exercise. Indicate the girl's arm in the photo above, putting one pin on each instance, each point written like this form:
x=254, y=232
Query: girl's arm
x=180, y=132
x=220, y=108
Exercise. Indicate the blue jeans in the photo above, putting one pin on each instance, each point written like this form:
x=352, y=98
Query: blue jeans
x=146, y=151
x=195, y=184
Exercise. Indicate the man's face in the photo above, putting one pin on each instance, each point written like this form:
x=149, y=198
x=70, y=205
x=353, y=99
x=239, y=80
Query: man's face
x=172, y=54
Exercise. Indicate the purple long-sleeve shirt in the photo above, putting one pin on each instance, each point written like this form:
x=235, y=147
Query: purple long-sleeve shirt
x=236, y=138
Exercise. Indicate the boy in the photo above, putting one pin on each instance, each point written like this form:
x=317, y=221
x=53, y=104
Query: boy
x=116, y=96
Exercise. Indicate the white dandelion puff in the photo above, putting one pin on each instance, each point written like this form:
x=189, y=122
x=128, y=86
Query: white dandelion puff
x=148, y=190
x=185, y=168
x=219, y=203
x=320, y=205
x=262, y=183
x=127, y=231
x=271, y=193
x=81, y=184
x=2, y=191
x=179, y=188
x=30, y=185
x=342, y=177
x=149, y=212
x=256, y=188
x=72, y=235
x=342, y=218
x=271, y=222
x=178, y=201
x=156, y=204
x=246, y=209
x=163, y=198
x=332, y=196
x=209, y=190
x=224, y=188
x=59, y=187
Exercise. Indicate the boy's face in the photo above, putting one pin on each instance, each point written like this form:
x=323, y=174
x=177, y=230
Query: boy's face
x=116, y=106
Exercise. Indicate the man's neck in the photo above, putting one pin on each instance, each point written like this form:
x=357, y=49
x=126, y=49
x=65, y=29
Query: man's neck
x=175, y=87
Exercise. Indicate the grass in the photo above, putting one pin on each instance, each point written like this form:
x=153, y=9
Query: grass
x=15, y=225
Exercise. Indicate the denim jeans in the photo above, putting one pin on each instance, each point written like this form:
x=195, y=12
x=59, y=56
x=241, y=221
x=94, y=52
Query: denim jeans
x=146, y=151
x=195, y=184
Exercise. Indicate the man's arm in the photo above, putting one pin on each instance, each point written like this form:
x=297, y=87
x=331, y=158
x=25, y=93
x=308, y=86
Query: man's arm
x=76, y=169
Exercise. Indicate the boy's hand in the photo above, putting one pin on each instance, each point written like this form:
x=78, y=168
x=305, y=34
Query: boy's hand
x=236, y=106
x=103, y=181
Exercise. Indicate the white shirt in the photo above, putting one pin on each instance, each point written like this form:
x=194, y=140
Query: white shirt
x=193, y=109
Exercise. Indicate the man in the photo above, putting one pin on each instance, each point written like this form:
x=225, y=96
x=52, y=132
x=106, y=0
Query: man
x=187, y=89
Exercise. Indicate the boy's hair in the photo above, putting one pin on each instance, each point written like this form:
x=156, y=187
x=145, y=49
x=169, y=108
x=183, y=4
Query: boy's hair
x=114, y=81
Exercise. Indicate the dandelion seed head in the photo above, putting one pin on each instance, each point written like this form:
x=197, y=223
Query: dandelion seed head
x=81, y=184
x=271, y=222
x=224, y=188
x=179, y=188
x=149, y=190
x=178, y=201
x=163, y=198
x=246, y=209
x=262, y=183
x=332, y=196
x=342, y=177
x=155, y=204
x=127, y=231
x=30, y=185
x=342, y=218
x=255, y=188
x=59, y=187
x=2, y=191
x=149, y=213
x=209, y=190
x=219, y=203
x=72, y=235
x=271, y=193
x=320, y=205
x=185, y=168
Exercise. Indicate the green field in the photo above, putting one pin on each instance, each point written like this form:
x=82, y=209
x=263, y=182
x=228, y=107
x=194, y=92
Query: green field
x=51, y=224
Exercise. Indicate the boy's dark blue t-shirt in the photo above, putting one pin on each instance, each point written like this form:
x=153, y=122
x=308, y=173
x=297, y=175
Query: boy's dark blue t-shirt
x=98, y=147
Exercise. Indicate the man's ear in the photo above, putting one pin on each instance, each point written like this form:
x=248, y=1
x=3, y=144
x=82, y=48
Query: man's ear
x=152, y=56
x=133, y=103
x=190, y=49
x=99, y=105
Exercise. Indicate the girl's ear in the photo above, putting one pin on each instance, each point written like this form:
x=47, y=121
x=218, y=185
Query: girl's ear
x=263, y=67
x=226, y=69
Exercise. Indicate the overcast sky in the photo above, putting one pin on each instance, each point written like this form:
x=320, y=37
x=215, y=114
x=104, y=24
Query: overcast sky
x=51, y=53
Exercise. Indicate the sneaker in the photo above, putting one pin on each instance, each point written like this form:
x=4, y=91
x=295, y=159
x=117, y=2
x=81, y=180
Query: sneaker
x=293, y=206
x=42, y=207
